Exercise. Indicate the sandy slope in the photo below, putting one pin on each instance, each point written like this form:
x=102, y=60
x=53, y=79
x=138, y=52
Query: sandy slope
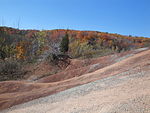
x=12, y=93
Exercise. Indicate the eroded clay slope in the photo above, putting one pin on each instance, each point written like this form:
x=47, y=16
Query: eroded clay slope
x=16, y=92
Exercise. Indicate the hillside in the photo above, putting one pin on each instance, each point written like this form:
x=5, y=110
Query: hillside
x=123, y=64
x=28, y=54
x=36, y=64
x=127, y=90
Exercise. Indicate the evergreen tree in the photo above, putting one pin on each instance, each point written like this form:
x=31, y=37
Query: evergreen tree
x=64, y=46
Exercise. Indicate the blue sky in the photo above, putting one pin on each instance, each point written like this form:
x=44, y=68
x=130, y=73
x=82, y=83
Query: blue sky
x=127, y=17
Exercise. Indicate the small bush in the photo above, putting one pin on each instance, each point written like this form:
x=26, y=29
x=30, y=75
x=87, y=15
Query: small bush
x=78, y=49
x=60, y=60
x=10, y=70
x=52, y=59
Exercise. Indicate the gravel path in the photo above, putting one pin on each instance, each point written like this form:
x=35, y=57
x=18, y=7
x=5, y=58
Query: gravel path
x=128, y=92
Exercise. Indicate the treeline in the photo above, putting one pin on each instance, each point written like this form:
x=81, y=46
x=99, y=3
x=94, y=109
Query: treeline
x=30, y=44
x=20, y=47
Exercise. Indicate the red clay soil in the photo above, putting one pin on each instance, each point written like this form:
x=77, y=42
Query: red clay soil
x=16, y=92
x=36, y=71
x=79, y=67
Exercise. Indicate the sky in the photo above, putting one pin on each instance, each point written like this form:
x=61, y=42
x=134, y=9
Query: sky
x=127, y=17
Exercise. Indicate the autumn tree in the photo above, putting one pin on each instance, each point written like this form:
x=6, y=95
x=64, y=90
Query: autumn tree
x=20, y=50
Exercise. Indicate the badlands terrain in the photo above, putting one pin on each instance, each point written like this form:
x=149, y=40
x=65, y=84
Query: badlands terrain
x=118, y=83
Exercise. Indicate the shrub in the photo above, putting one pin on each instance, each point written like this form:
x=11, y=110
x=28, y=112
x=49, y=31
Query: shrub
x=60, y=60
x=52, y=59
x=10, y=70
x=78, y=49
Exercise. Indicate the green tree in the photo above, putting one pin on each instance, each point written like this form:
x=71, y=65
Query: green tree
x=64, y=45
